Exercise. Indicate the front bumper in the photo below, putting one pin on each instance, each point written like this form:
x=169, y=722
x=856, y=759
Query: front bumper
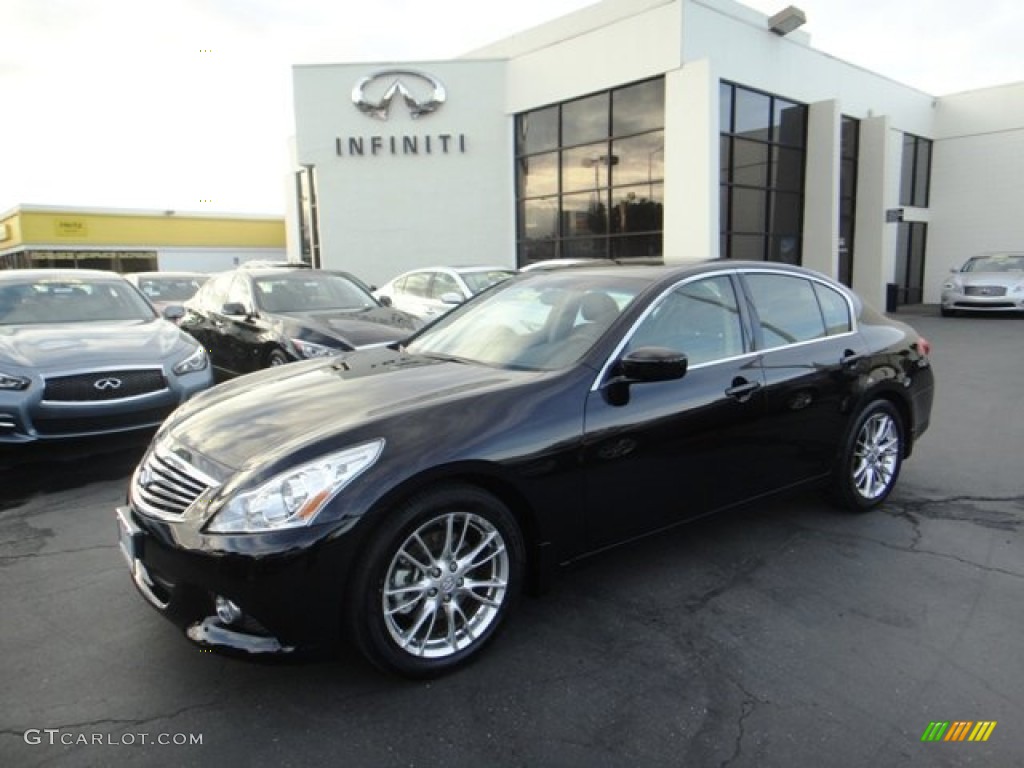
x=291, y=600
x=25, y=417
x=959, y=301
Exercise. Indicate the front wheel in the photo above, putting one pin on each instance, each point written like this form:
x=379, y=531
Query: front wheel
x=437, y=580
x=277, y=357
x=872, y=457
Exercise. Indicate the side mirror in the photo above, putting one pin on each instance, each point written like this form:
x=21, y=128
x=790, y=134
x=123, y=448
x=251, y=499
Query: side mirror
x=648, y=364
x=234, y=309
x=452, y=298
x=173, y=312
x=385, y=301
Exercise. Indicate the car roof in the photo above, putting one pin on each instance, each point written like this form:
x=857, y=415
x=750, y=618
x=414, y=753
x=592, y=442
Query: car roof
x=11, y=275
x=173, y=274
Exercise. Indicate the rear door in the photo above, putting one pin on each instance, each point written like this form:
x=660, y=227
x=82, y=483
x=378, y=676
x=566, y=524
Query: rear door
x=810, y=357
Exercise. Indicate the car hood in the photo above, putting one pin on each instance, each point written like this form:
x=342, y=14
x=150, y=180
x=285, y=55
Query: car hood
x=90, y=345
x=259, y=418
x=356, y=327
x=1005, y=279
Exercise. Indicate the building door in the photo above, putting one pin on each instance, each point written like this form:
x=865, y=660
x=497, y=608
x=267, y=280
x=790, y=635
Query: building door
x=910, y=244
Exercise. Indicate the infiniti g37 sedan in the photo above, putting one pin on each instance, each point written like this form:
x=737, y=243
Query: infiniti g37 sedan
x=404, y=495
x=83, y=353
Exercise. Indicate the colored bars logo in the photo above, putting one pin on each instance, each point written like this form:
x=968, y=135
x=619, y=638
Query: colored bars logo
x=959, y=730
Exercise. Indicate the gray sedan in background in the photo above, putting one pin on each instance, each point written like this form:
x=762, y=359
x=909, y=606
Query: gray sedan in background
x=82, y=353
x=991, y=282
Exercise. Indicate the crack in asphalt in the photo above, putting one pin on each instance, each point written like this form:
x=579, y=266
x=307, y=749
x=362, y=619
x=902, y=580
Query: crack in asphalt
x=55, y=553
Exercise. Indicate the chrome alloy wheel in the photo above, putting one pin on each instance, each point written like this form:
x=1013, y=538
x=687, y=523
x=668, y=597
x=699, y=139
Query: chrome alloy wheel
x=445, y=585
x=876, y=455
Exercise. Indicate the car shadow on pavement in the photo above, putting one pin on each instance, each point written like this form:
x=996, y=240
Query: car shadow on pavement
x=29, y=469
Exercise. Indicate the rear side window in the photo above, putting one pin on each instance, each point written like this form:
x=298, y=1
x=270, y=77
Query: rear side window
x=787, y=309
x=834, y=309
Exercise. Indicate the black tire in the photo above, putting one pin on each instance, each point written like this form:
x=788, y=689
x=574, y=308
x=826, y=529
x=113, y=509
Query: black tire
x=277, y=357
x=419, y=611
x=947, y=312
x=872, y=455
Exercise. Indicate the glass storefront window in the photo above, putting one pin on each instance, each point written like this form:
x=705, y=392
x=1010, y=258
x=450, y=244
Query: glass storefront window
x=638, y=159
x=590, y=171
x=638, y=108
x=585, y=120
x=537, y=131
x=586, y=167
x=761, y=166
x=538, y=175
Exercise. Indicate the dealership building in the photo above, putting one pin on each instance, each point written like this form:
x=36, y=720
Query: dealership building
x=654, y=129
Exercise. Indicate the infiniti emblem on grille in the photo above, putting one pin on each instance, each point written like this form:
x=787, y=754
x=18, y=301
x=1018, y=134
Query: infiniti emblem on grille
x=145, y=477
x=104, y=384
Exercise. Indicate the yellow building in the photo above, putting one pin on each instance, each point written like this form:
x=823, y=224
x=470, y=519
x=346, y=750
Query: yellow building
x=135, y=240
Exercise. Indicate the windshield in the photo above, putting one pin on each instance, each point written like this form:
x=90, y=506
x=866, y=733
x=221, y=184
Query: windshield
x=545, y=321
x=170, y=288
x=310, y=291
x=70, y=300
x=478, y=281
x=999, y=262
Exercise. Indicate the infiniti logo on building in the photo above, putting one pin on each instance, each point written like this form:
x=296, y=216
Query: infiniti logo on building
x=106, y=384
x=422, y=93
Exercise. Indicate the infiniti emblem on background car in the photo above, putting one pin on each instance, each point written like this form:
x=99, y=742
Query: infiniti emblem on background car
x=426, y=95
x=104, y=384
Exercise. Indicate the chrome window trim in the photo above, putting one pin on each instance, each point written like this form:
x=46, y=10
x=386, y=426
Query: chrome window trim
x=738, y=272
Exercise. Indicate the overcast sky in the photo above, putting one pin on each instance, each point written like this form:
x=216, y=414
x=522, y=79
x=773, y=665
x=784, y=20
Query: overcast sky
x=186, y=104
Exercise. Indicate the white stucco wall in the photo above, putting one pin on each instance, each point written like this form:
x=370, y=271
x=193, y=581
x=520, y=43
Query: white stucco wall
x=977, y=192
x=384, y=212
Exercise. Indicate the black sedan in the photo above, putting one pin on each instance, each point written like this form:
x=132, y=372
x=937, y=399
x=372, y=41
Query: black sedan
x=255, y=318
x=404, y=495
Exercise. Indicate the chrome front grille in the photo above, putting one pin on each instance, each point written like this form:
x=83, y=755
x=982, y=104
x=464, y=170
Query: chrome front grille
x=985, y=290
x=164, y=486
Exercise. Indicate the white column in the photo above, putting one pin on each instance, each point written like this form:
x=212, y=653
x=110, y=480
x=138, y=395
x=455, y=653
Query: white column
x=873, y=258
x=821, y=188
x=691, y=163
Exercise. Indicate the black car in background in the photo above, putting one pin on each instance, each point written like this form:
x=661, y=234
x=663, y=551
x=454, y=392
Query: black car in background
x=255, y=318
x=405, y=494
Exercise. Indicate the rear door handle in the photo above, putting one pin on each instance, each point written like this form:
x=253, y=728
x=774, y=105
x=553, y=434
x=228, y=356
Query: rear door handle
x=741, y=389
x=850, y=359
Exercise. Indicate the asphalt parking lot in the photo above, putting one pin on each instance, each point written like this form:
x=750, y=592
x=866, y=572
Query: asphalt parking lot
x=790, y=634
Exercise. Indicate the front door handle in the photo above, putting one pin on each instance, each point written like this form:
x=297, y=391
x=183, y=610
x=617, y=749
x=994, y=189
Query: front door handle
x=742, y=390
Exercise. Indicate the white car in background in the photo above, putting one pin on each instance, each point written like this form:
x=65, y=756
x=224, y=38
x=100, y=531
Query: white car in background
x=991, y=282
x=432, y=291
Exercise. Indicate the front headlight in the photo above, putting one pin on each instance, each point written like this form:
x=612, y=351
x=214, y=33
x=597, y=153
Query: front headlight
x=294, y=498
x=194, y=362
x=13, y=382
x=310, y=350
x=949, y=286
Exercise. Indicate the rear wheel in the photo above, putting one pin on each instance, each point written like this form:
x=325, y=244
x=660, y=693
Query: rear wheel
x=437, y=581
x=871, y=458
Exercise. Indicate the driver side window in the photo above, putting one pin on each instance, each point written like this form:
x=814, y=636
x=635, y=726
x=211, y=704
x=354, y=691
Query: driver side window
x=701, y=319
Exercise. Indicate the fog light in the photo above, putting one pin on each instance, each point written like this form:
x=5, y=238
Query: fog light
x=227, y=611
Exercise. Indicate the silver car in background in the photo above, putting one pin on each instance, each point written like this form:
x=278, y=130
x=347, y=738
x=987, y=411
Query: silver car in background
x=83, y=353
x=991, y=282
x=431, y=292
